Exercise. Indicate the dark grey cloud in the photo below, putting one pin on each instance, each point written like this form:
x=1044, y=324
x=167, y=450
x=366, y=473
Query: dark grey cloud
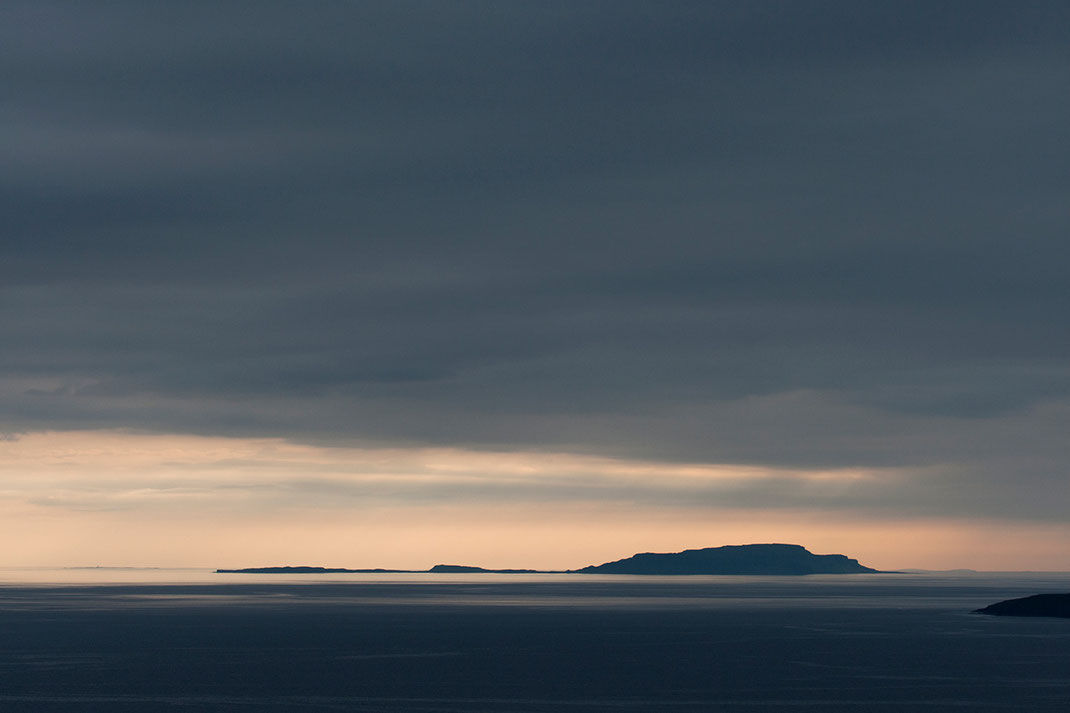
x=808, y=234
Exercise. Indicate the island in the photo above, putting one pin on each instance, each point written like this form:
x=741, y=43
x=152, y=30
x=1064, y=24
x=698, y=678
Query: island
x=768, y=559
x=1053, y=605
x=761, y=559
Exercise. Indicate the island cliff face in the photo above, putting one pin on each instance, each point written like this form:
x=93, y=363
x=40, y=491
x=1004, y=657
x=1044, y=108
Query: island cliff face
x=771, y=559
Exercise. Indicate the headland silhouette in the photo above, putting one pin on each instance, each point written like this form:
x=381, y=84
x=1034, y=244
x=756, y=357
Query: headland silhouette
x=1051, y=605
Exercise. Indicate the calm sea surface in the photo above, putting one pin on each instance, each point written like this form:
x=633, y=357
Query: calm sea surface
x=190, y=640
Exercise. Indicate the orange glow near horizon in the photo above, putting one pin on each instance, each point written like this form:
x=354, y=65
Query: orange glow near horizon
x=124, y=499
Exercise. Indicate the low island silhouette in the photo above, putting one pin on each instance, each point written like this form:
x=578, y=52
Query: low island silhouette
x=758, y=559
x=1053, y=605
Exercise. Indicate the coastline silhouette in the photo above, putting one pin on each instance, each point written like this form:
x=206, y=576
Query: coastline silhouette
x=754, y=559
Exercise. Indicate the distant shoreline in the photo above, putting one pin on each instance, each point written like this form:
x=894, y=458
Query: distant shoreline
x=759, y=559
x=437, y=569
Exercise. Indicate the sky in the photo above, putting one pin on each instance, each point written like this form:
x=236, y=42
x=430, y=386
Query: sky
x=387, y=284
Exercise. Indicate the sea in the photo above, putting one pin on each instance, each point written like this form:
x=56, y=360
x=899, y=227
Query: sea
x=165, y=640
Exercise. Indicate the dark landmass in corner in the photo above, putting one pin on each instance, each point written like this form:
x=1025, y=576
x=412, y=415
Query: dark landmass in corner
x=770, y=559
x=1056, y=605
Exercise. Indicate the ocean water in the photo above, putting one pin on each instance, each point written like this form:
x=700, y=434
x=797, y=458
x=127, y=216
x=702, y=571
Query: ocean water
x=190, y=640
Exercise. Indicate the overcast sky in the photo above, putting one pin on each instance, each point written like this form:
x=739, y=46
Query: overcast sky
x=791, y=242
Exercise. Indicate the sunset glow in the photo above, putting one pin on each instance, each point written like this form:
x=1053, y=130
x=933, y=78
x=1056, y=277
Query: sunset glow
x=213, y=502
